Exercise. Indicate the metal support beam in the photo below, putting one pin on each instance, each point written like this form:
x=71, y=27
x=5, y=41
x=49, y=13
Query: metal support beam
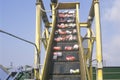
x=43, y=39
x=68, y=5
x=98, y=41
x=44, y=43
x=84, y=25
x=46, y=35
x=90, y=53
x=81, y=49
x=49, y=25
x=37, y=42
x=91, y=15
x=46, y=64
x=44, y=14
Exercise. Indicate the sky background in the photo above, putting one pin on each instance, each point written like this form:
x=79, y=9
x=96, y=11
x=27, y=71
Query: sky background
x=18, y=17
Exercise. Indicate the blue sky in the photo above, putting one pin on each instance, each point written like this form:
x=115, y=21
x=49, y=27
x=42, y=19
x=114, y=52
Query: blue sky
x=18, y=17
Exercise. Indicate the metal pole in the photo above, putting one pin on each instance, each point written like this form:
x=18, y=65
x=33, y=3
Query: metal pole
x=46, y=62
x=47, y=35
x=90, y=52
x=98, y=41
x=37, y=41
x=81, y=51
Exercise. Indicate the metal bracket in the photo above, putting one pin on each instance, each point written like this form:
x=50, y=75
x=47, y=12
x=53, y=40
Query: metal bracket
x=99, y=65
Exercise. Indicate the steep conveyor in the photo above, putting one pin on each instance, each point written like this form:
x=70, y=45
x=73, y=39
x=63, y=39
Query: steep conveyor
x=64, y=59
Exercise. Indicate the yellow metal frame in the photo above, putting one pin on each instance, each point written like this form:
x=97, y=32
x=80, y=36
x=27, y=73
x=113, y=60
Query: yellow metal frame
x=70, y=5
x=37, y=42
x=98, y=41
x=86, y=59
x=84, y=25
x=94, y=12
x=45, y=66
x=81, y=49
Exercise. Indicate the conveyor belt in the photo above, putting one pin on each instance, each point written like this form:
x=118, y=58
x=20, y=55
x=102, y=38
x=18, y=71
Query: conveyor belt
x=64, y=61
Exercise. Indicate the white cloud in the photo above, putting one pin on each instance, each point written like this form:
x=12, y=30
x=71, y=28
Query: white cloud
x=111, y=38
x=113, y=12
x=111, y=51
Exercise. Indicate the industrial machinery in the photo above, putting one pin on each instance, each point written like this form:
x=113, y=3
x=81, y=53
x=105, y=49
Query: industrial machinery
x=66, y=57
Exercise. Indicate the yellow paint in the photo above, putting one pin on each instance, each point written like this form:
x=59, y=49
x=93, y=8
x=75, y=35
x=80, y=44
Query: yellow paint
x=46, y=35
x=37, y=42
x=67, y=5
x=98, y=40
x=84, y=25
x=89, y=57
x=93, y=12
x=45, y=66
x=81, y=51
